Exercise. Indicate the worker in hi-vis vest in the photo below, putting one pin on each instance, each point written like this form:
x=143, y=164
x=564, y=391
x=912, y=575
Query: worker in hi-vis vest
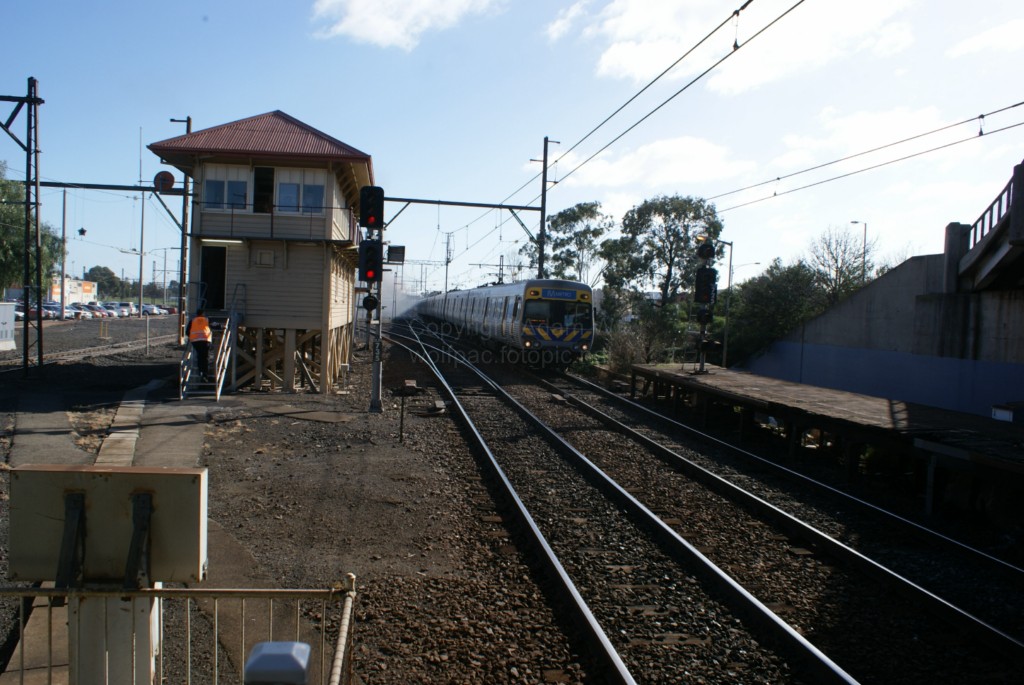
x=199, y=336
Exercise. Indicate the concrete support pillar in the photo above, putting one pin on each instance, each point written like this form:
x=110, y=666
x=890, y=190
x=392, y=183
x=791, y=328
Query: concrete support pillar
x=957, y=244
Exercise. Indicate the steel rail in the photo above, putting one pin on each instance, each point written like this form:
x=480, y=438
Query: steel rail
x=811, y=659
x=615, y=671
x=944, y=610
x=796, y=475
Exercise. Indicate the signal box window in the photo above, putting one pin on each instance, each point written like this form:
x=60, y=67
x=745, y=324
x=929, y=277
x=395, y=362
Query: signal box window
x=226, y=187
x=300, y=190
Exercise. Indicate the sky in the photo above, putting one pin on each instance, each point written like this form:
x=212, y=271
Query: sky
x=777, y=117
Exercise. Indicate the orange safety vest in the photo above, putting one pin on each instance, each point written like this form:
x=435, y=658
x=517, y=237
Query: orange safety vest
x=200, y=331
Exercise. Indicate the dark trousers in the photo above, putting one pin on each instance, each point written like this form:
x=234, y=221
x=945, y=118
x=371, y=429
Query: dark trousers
x=201, y=350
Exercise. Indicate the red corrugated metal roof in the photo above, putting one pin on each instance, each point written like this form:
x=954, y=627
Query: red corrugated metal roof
x=271, y=134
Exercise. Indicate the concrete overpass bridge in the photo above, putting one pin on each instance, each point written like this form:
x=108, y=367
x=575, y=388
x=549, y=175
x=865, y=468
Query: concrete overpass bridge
x=992, y=249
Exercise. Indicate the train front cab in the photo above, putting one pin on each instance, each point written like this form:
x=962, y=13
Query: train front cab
x=557, y=324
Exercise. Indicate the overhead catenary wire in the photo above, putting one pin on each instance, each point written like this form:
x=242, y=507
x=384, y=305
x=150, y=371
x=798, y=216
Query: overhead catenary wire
x=979, y=118
x=736, y=48
x=732, y=15
x=874, y=166
x=664, y=72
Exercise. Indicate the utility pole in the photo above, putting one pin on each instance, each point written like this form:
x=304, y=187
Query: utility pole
x=63, y=253
x=184, y=241
x=542, y=236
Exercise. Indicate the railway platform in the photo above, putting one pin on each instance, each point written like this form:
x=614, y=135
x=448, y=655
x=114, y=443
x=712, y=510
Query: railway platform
x=944, y=445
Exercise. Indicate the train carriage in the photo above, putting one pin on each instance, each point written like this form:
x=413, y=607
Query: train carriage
x=544, y=321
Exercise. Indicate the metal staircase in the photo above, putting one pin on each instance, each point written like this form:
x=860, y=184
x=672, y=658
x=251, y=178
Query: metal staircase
x=224, y=326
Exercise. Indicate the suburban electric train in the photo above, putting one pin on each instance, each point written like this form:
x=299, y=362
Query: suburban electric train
x=542, y=322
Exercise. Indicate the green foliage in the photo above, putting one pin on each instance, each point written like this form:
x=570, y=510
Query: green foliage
x=12, y=238
x=572, y=239
x=107, y=280
x=658, y=245
x=12, y=230
x=769, y=306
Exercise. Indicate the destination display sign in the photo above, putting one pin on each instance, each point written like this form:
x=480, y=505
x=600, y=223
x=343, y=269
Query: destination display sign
x=556, y=294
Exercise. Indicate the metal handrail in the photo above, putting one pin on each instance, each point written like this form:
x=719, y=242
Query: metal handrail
x=992, y=215
x=240, y=616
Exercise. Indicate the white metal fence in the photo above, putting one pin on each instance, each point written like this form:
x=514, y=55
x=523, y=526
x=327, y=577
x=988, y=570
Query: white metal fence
x=164, y=635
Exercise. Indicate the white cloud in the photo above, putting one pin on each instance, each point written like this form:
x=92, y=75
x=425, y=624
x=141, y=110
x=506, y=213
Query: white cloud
x=566, y=19
x=1003, y=38
x=393, y=23
x=663, y=166
x=643, y=38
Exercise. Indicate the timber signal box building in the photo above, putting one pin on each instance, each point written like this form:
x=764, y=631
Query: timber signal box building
x=273, y=244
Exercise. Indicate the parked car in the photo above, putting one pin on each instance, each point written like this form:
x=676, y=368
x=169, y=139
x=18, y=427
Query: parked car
x=77, y=311
x=98, y=311
x=129, y=308
x=113, y=307
x=52, y=311
x=19, y=314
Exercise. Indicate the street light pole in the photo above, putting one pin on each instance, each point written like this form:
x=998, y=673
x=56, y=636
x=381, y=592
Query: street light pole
x=728, y=298
x=863, y=253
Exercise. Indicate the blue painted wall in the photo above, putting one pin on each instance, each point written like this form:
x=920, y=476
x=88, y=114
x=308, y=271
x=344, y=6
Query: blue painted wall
x=958, y=384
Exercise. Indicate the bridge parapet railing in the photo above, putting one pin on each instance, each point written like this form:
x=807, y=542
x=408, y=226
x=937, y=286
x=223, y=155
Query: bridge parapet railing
x=995, y=212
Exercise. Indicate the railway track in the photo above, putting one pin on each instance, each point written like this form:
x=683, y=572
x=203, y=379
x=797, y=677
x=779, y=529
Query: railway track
x=977, y=582
x=870, y=621
x=66, y=341
x=654, y=608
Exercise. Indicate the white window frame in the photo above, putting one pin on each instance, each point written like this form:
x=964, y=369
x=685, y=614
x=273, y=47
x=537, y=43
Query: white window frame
x=303, y=178
x=225, y=174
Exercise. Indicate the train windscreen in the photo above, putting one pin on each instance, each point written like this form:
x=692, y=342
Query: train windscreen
x=553, y=312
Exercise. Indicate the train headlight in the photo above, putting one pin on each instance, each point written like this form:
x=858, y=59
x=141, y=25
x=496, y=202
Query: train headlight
x=585, y=347
x=527, y=344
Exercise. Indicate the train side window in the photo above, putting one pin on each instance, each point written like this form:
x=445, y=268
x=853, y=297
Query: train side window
x=515, y=309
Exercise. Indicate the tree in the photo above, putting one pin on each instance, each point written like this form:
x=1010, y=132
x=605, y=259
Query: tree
x=769, y=306
x=12, y=230
x=658, y=245
x=109, y=283
x=573, y=237
x=12, y=237
x=842, y=262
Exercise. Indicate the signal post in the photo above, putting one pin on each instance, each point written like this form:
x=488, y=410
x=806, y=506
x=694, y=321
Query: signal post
x=371, y=272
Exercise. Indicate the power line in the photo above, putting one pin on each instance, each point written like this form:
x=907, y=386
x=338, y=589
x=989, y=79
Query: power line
x=736, y=48
x=873, y=166
x=716, y=29
x=735, y=13
x=979, y=118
